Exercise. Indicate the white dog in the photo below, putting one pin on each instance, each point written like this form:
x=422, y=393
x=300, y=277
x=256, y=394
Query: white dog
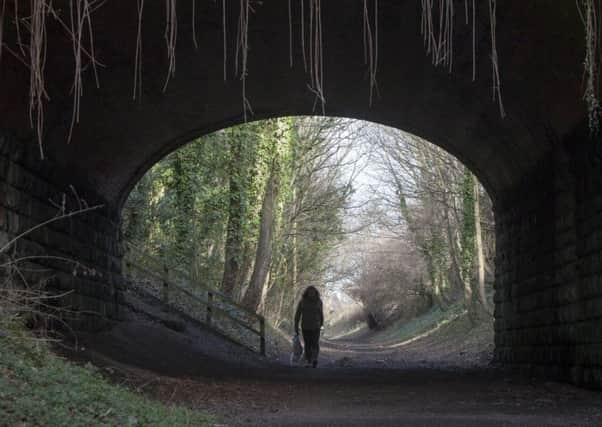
x=297, y=351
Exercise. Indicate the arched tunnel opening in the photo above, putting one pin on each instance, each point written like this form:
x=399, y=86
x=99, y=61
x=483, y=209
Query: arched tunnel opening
x=93, y=94
x=396, y=234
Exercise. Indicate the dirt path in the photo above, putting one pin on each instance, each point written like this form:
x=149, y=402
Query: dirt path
x=331, y=396
x=261, y=393
x=452, y=346
x=416, y=397
x=440, y=379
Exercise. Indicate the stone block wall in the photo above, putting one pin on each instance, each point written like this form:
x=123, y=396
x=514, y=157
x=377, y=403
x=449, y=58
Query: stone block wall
x=77, y=255
x=548, y=312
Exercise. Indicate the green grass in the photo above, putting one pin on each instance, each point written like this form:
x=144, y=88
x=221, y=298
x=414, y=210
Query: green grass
x=348, y=330
x=38, y=388
x=401, y=331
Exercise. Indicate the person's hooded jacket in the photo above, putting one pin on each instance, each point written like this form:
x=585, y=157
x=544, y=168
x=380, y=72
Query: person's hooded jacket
x=309, y=312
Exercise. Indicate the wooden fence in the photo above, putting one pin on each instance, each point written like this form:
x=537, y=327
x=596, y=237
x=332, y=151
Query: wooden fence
x=209, y=306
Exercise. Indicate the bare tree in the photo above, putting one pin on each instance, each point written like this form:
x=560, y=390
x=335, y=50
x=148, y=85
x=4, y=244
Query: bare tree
x=437, y=203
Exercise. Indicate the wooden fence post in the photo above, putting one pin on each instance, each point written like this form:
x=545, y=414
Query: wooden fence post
x=209, y=306
x=262, y=336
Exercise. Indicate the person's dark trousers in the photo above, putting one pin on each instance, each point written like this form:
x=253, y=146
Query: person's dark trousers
x=311, y=339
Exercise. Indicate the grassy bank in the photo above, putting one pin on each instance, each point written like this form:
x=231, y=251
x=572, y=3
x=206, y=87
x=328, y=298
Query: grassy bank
x=38, y=388
x=404, y=330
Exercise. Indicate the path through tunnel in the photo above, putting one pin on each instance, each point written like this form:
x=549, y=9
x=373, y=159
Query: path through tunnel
x=540, y=163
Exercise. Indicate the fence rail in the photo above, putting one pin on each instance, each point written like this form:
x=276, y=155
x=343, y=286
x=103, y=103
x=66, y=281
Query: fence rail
x=203, y=303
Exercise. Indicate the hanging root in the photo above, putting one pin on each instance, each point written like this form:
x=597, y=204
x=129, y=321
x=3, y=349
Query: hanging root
x=194, y=41
x=81, y=21
x=495, y=72
x=437, y=29
x=302, y=2
x=80, y=18
x=370, y=37
x=171, y=36
x=138, y=55
x=315, y=54
x=225, y=47
x=449, y=35
x=2, y=10
x=589, y=16
x=290, y=34
x=80, y=12
x=474, y=40
x=438, y=39
x=76, y=30
x=18, y=27
x=242, y=50
x=37, y=56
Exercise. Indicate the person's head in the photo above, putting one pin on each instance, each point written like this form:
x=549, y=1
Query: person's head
x=311, y=292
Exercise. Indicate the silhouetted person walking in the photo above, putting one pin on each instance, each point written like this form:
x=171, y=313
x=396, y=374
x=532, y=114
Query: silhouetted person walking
x=310, y=312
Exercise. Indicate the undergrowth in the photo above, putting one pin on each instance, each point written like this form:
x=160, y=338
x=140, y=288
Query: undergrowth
x=39, y=388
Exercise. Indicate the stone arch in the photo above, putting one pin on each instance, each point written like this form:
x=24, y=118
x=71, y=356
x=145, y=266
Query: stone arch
x=539, y=167
x=118, y=137
x=482, y=172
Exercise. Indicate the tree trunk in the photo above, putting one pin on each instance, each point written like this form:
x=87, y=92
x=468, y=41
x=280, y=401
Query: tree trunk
x=289, y=289
x=263, y=256
x=435, y=279
x=184, y=201
x=280, y=311
x=246, y=268
x=269, y=295
x=195, y=259
x=479, y=248
x=234, y=240
x=455, y=247
x=467, y=248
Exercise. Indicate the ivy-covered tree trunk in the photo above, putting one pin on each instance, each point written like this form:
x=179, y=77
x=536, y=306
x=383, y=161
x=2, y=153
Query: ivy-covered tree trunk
x=263, y=256
x=480, y=256
x=468, y=243
x=184, y=201
x=234, y=237
x=137, y=212
x=435, y=282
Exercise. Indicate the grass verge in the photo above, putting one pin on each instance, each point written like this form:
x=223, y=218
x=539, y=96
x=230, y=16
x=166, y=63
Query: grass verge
x=39, y=388
x=405, y=330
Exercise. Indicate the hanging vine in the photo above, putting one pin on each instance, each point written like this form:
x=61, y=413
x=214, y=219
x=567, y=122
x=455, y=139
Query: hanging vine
x=495, y=70
x=290, y=34
x=80, y=22
x=302, y=2
x=171, y=35
x=37, y=55
x=437, y=29
x=242, y=51
x=138, y=54
x=225, y=40
x=194, y=40
x=474, y=38
x=171, y=38
x=2, y=12
x=370, y=39
x=589, y=16
x=316, y=54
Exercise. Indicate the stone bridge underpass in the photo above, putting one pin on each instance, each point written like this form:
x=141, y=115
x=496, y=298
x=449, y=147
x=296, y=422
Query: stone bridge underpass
x=539, y=164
